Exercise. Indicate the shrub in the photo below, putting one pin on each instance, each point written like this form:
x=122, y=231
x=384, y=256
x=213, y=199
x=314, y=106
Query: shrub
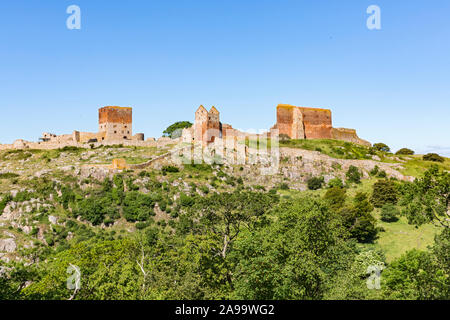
x=284, y=186
x=382, y=174
x=335, y=197
x=8, y=175
x=433, y=157
x=381, y=147
x=315, y=183
x=374, y=171
x=353, y=175
x=384, y=191
x=405, y=151
x=336, y=182
x=169, y=169
x=389, y=213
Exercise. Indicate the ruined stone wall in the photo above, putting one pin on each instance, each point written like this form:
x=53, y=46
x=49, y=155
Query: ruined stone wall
x=116, y=122
x=349, y=135
x=317, y=123
x=285, y=119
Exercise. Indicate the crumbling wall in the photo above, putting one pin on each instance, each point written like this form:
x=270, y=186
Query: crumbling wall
x=349, y=135
x=317, y=123
x=116, y=122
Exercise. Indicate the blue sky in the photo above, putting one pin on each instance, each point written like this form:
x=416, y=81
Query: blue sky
x=165, y=58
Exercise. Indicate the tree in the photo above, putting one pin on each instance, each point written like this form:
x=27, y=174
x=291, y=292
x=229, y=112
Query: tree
x=433, y=157
x=335, y=197
x=427, y=198
x=290, y=259
x=384, y=191
x=389, y=213
x=226, y=214
x=358, y=219
x=353, y=174
x=174, y=130
x=415, y=276
x=315, y=183
x=381, y=147
x=336, y=182
x=405, y=151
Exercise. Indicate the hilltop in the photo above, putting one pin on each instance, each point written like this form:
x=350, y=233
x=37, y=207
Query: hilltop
x=45, y=206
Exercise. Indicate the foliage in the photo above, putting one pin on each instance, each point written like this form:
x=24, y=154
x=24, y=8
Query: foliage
x=336, y=182
x=335, y=197
x=381, y=147
x=427, y=198
x=174, y=130
x=353, y=175
x=315, y=183
x=389, y=213
x=404, y=151
x=433, y=157
x=384, y=191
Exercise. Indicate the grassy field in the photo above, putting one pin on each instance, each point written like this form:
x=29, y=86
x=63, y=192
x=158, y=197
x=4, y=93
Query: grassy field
x=415, y=166
x=400, y=237
x=333, y=148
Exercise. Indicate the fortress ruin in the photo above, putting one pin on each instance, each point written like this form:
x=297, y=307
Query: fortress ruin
x=292, y=122
x=115, y=126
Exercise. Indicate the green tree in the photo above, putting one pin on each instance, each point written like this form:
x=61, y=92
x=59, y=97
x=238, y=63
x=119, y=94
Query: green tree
x=174, y=130
x=433, y=157
x=353, y=174
x=315, y=183
x=384, y=191
x=335, y=197
x=289, y=259
x=389, y=213
x=404, y=151
x=381, y=147
x=427, y=198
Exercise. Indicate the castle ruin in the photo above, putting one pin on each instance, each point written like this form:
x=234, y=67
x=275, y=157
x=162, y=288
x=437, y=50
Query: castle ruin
x=292, y=122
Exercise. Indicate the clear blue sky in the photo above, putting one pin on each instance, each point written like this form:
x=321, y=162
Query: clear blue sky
x=165, y=58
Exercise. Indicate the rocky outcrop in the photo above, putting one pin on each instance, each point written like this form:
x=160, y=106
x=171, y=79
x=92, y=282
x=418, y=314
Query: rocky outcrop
x=8, y=245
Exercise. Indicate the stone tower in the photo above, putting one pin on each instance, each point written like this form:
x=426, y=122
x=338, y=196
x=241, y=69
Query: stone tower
x=214, y=125
x=201, y=123
x=115, y=123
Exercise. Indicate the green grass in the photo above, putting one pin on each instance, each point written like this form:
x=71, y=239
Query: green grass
x=400, y=237
x=416, y=166
x=333, y=148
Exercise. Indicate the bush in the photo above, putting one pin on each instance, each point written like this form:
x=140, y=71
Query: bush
x=335, y=197
x=382, y=174
x=8, y=175
x=381, y=147
x=389, y=213
x=284, y=186
x=172, y=169
x=353, y=175
x=336, y=182
x=374, y=171
x=384, y=191
x=405, y=151
x=315, y=183
x=433, y=157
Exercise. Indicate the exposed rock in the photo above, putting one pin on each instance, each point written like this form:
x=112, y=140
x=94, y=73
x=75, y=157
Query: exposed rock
x=8, y=245
x=53, y=219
